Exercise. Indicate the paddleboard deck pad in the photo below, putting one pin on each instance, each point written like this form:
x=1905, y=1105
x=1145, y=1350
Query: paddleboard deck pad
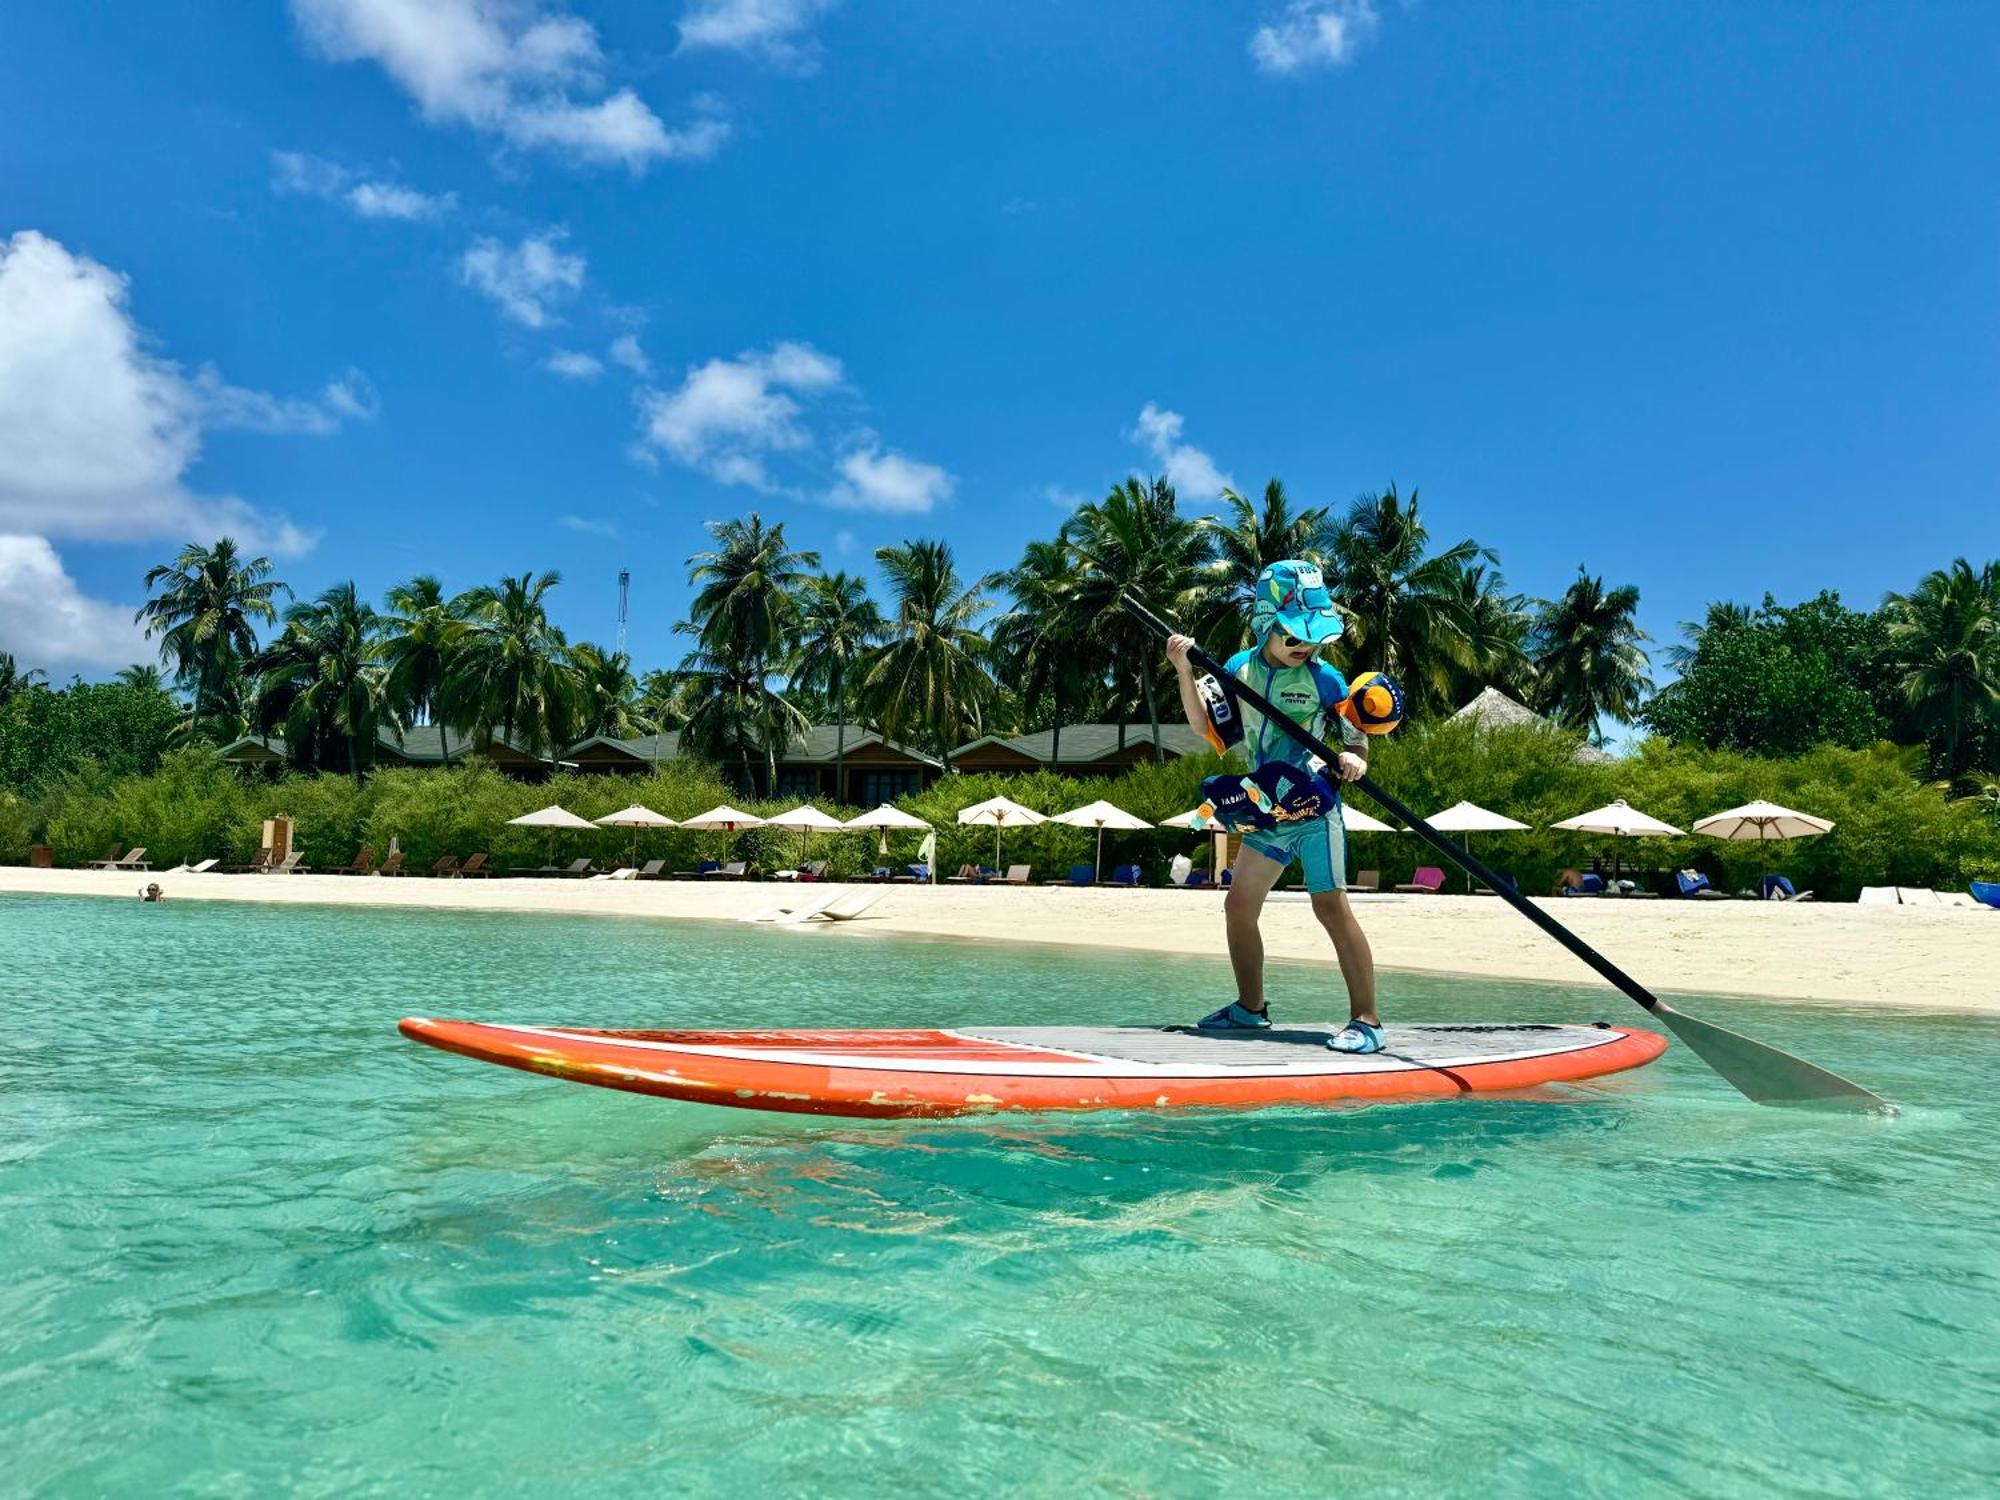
x=981, y=1069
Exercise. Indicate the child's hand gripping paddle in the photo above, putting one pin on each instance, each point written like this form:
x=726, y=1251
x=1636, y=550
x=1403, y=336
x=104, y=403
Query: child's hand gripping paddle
x=1760, y=1073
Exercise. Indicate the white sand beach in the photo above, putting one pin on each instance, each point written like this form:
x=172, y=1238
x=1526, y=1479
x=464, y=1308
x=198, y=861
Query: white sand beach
x=1940, y=958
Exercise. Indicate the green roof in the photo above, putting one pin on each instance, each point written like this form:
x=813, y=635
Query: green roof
x=1083, y=744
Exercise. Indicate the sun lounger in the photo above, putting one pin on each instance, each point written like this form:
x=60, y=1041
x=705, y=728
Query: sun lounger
x=290, y=864
x=736, y=869
x=1916, y=895
x=1877, y=895
x=623, y=872
x=184, y=868
x=1123, y=875
x=364, y=862
x=1366, y=880
x=652, y=869
x=447, y=865
x=1078, y=875
x=837, y=905
x=969, y=875
x=393, y=865
x=1427, y=881
x=136, y=860
x=475, y=865
x=918, y=875
x=1016, y=875
x=256, y=866
x=110, y=858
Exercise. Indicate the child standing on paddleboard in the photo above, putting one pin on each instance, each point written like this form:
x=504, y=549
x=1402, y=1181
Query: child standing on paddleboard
x=1292, y=616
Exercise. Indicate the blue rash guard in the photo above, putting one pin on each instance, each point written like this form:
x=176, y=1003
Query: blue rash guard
x=1311, y=695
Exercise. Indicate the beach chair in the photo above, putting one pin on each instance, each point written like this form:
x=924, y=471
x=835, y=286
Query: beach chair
x=364, y=862
x=1078, y=875
x=576, y=869
x=475, y=865
x=880, y=872
x=446, y=866
x=918, y=875
x=1694, y=883
x=967, y=875
x=1507, y=882
x=1016, y=875
x=652, y=869
x=1124, y=875
x=1985, y=892
x=109, y=861
x=1877, y=895
x=41, y=857
x=623, y=872
x=393, y=865
x=256, y=866
x=813, y=869
x=203, y=867
x=1366, y=880
x=1592, y=885
x=290, y=865
x=1428, y=880
x=1779, y=888
x=1198, y=881
x=705, y=868
x=1916, y=895
x=736, y=869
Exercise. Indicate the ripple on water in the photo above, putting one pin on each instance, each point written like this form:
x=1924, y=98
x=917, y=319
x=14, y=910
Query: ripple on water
x=257, y=1243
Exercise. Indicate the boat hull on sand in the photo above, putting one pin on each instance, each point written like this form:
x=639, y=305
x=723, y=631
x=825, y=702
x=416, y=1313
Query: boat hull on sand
x=976, y=1070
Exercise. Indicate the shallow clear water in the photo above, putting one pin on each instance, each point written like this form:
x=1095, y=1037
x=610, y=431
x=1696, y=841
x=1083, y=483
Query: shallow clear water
x=253, y=1242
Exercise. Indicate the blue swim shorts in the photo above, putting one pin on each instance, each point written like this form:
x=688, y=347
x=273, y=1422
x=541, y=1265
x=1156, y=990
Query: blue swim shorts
x=1318, y=844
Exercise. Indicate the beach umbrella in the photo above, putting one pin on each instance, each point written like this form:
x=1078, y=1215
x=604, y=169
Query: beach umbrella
x=1357, y=821
x=728, y=819
x=1621, y=821
x=1099, y=815
x=1466, y=818
x=882, y=820
x=808, y=820
x=553, y=817
x=636, y=817
x=1001, y=813
x=1762, y=821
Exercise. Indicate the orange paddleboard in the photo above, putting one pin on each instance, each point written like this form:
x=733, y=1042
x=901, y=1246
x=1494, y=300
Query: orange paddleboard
x=979, y=1069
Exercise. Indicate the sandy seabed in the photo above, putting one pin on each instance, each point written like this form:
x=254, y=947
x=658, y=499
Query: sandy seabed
x=1938, y=958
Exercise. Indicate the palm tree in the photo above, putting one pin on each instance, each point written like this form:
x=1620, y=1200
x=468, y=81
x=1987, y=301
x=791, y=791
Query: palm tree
x=323, y=680
x=422, y=634
x=1944, y=638
x=513, y=671
x=837, y=625
x=747, y=590
x=928, y=682
x=1720, y=620
x=732, y=710
x=14, y=681
x=206, y=616
x=1590, y=661
x=143, y=676
x=1406, y=606
x=1040, y=643
x=1246, y=542
x=1135, y=541
x=1497, y=626
x=658, y=706
x=609, y=696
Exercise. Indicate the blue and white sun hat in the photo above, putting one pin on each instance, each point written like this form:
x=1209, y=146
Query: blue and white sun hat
x=1291, y=596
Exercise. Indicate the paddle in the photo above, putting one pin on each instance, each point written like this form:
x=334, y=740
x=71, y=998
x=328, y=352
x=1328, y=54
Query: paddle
x=1760, y=1073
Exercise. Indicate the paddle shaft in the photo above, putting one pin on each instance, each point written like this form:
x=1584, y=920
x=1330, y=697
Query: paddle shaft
x=1450, y=850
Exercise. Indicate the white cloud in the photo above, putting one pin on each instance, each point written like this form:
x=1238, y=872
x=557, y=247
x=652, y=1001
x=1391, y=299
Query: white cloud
x=525, y=279
x=871, y=479
x=1311, y=34
x=589, y=525
x=367, y=197
x=46, y=621
x=523, y=70
x=574, y=364
x=625, y=351
x=1060, y=498
x=729, y=414
x=1192, y=472
x=97, y=432
x=771, y=29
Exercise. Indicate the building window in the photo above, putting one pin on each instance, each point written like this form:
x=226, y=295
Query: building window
x=799, y=781
x=878, y=787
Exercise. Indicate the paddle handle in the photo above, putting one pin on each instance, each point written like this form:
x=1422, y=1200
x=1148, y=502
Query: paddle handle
x=1450, y=849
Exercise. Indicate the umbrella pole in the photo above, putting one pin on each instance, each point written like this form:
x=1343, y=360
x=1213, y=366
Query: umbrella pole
x=996, y=846
x=1097, y=871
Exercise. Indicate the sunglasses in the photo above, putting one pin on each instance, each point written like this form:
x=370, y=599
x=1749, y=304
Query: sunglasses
x=1292, y=643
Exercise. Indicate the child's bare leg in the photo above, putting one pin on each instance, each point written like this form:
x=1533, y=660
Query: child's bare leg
x=1250, y=881
x=1350, y=944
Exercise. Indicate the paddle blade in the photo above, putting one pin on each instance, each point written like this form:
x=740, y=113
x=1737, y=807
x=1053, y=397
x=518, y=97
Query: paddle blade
x=1764, y=1074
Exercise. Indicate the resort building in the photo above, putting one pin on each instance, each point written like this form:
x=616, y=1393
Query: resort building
x=1077, y=749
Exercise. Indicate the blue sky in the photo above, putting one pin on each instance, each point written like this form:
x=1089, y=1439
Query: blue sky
x=1702, y=296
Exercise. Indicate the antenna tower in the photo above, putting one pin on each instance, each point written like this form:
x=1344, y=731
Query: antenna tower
x=624, y=596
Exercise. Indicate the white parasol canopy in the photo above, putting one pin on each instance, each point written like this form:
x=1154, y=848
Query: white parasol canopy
x=808, y=820
x=728, y=819
x=1621, y=820
x=636, y=817
x=553, y=816
x=1001, y=813
x=1466, y=818
x=1762, y=821
x=882, y=820
x=1099, y=815
x=1357, y=821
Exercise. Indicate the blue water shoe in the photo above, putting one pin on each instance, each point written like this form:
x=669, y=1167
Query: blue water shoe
x=1233, y=1017
x=1357, y=1037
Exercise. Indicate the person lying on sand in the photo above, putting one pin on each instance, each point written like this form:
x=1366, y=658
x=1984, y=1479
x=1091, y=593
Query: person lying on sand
x=1292, y=616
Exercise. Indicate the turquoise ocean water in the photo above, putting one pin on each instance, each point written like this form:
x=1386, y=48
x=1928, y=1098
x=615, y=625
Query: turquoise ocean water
x=254, y=1243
